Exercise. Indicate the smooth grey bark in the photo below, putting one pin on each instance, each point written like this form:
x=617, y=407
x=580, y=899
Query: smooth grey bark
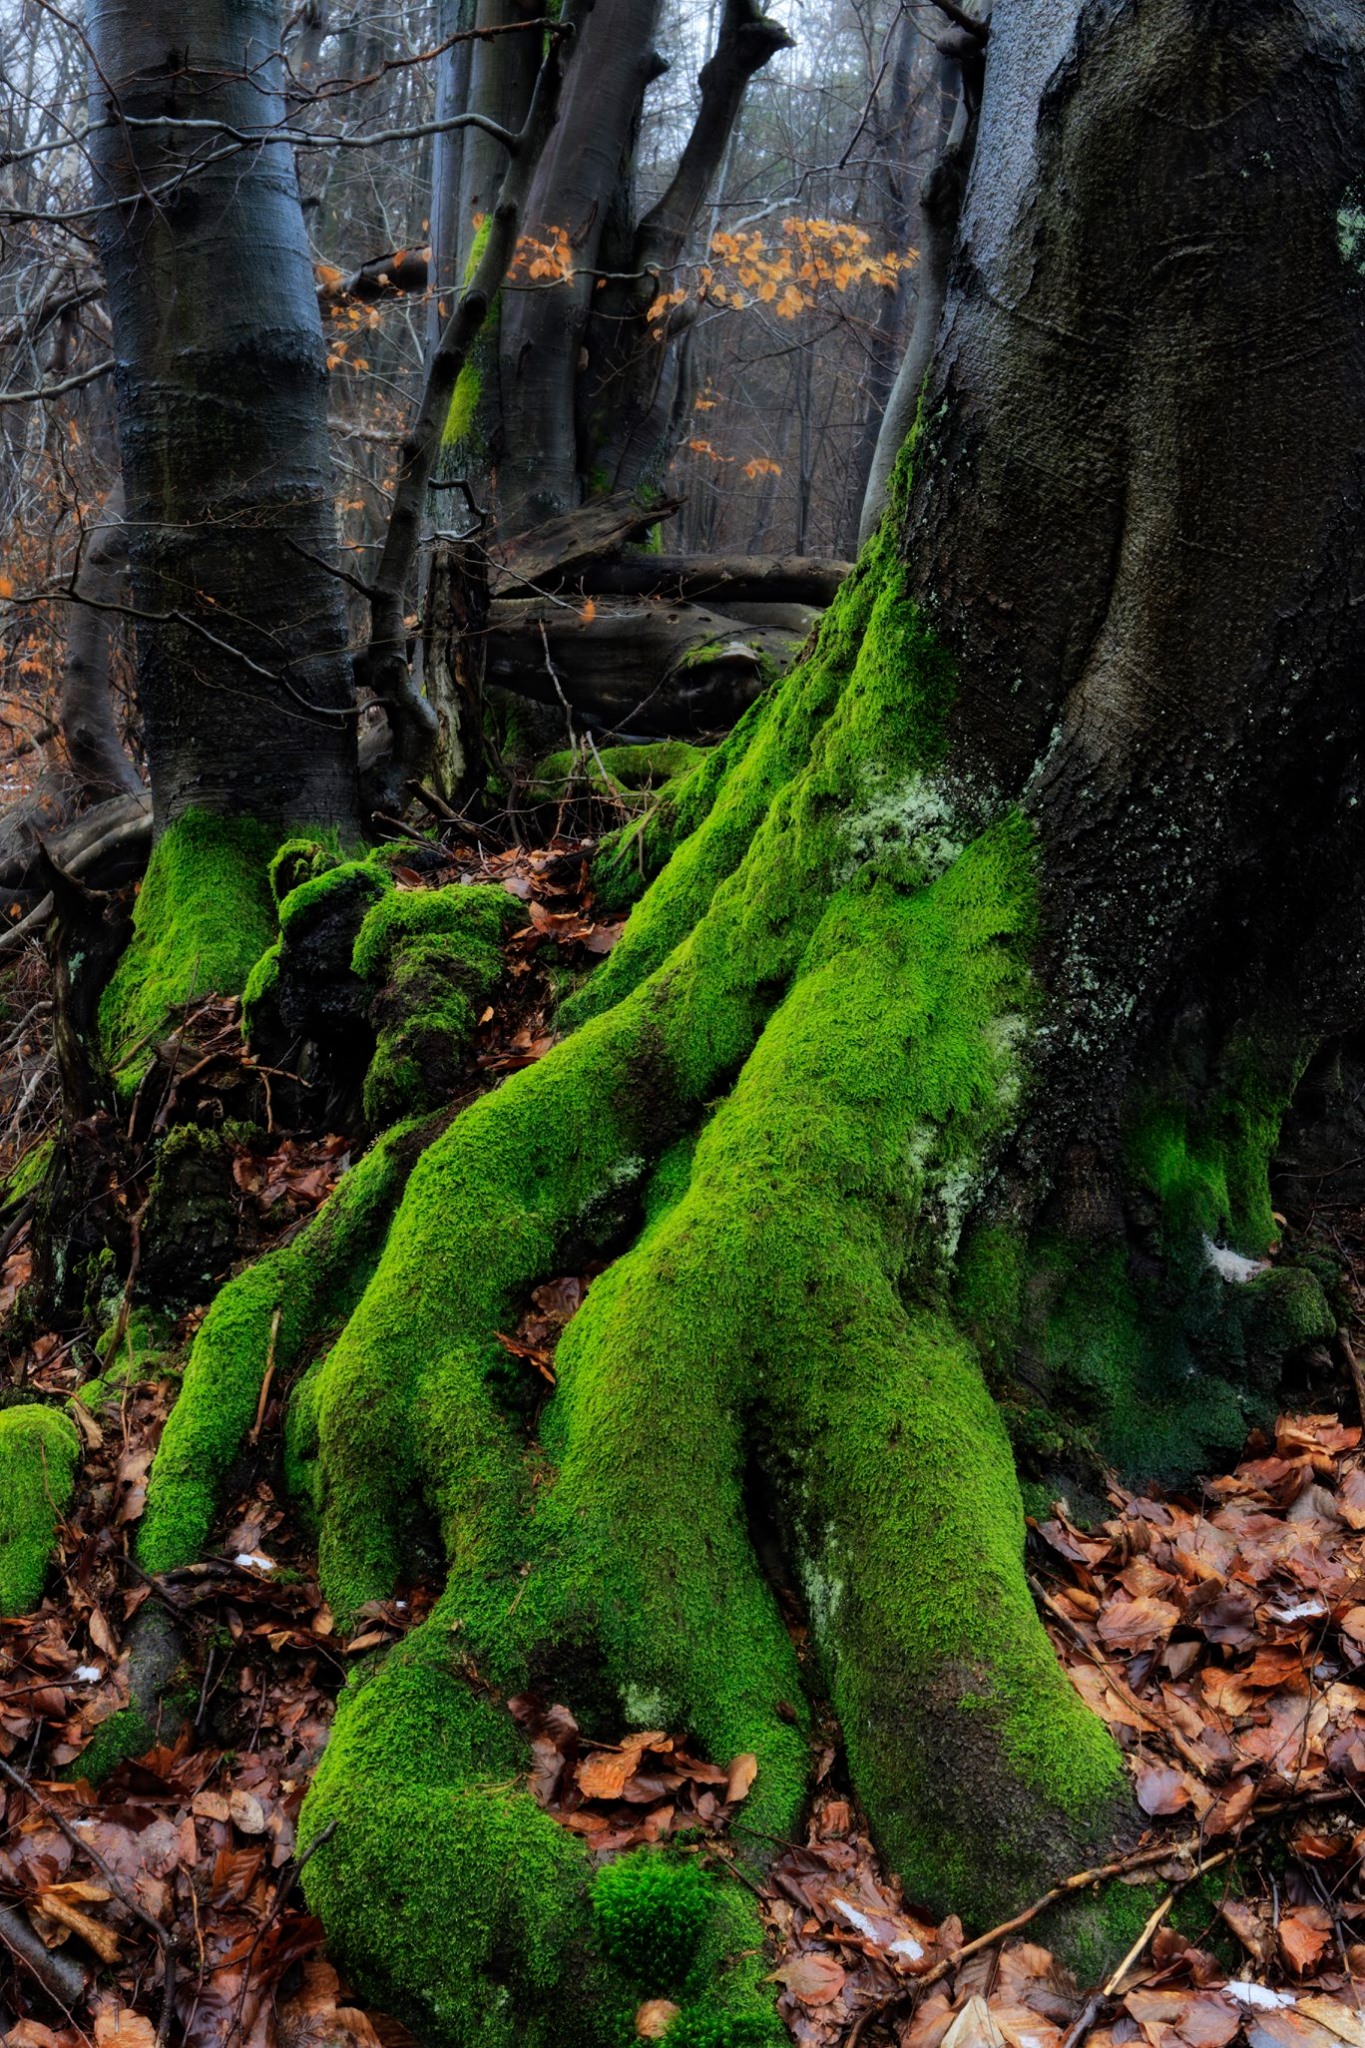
x=85, y=709
x=897, y=128
x=940, y=206
x=244, y=674
x=543, y=322
x=587, y=389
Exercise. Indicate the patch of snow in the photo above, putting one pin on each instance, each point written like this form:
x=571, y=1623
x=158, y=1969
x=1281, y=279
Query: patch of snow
x=86, y=1674
x=854, y=1917
x=1259, y=1995
x=1233, y=1266
x=907, y=1946
x=253, y=1561
x=1311, y=1609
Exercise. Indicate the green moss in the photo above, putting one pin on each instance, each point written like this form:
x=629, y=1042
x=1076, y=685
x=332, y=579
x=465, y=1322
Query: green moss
x=401, y=1777
x=436, y=955
x=652, y=1910
x=462, y=417
x=301, y=860
x=126, y=1734
x=312, y=1280
x=143, y=1353
x=464, y=406
x=614, y=770
x=203, y=919
x=39, y=1448
x=26, y=1173
x=873, y=657
x=422, y=1776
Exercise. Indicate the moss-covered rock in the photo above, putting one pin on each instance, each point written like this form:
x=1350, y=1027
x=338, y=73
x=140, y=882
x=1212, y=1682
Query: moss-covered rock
x=434, y=956
x=619, y=773
x=39, y=1449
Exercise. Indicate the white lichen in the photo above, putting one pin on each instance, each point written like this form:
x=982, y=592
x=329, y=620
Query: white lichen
x=1234, y=1267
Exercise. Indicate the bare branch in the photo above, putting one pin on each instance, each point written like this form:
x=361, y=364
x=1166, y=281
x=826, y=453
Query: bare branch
x=56, y=390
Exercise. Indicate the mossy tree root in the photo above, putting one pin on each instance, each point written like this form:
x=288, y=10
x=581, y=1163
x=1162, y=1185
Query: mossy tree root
x=834, y=945
x=758, y=1320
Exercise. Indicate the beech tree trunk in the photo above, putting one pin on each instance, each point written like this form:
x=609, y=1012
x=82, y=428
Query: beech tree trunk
x=243, y=671
x=575, y=389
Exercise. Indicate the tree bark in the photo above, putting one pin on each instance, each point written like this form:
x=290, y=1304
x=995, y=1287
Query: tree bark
x=636, y=667
x=85, y=710
x=244, y=676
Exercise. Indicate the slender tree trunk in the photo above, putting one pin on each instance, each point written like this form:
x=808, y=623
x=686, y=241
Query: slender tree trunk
x=911, y=104
x=85, y=710
x=244, y=674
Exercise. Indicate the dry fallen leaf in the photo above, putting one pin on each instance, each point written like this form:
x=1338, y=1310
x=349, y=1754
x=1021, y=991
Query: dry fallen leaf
x=117, y=2026
x=1304, y=1932
x=814, y=1979
x=247, y=1812
x=655, y=2017
x=1161, y=1789
x=741, y=1776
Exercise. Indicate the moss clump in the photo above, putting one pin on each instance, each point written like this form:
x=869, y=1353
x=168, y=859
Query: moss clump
x=26, y=1174
x=298, y=861
x=436, y=955
x=401, y=1776
x=203, y=919
x=39, y=1448
x=313, y=1280
x=143, y=1352
x=125, y=1735
x=303, y=1005
x=1155, y=1361
x=651, y=1911
x=616, y=771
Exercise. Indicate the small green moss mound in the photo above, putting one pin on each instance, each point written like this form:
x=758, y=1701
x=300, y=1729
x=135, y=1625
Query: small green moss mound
x=125, y=1735
x=614, y=771
x=299, y=861
x=203, y=918
x=652, y=1910
x=39, y=1449
x=143, y=1353
x=709, y=2027
x=436, y=955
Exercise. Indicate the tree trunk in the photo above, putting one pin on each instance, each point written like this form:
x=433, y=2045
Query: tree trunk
x=243, y=674
x=85, y=710
x=575, y=392
x=932, y=1087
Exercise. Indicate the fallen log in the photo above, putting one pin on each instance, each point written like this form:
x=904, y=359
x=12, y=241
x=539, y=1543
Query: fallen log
x=572, y=544
x=720, y=580
x=638, y=668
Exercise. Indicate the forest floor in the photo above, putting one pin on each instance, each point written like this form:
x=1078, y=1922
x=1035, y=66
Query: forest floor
x=1220, y=1633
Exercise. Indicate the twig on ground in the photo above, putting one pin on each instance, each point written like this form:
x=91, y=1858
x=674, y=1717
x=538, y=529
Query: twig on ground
x=253, y=1436
x=126, y=1900
x=1120, y=1685
x=1140, y=1859
x=1354, y=1366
